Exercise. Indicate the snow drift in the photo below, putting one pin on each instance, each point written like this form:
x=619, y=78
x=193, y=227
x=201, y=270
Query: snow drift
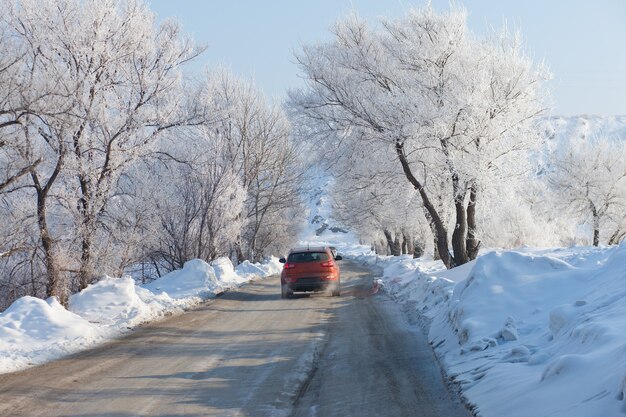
x=34, y=331
x=534, y=332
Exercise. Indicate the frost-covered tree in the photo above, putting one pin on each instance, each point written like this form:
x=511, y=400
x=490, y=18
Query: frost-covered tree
x=453, y=110
x=588, y=177
x=108, y=159
x=111, y=80
x=257, y=144
x=17, y=160
x=228, y=184
x=197, y=201
x=18, y=100
x=377, y=203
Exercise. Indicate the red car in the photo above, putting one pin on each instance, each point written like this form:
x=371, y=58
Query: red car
x=310, y=269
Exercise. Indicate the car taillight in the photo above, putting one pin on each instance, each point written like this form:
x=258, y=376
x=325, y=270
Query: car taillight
x=290, y=266
x=328, y=264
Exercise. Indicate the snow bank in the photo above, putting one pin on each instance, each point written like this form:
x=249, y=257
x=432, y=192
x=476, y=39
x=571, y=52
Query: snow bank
x=536, y=332
x=531, y=332
x=119, y=303
x=197, y=280
x=34, y=331
x=270, y=267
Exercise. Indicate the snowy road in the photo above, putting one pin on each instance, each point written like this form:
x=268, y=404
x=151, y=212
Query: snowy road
x=249, y=353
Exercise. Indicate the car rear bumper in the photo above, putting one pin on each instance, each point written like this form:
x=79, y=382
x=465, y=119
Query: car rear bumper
x=312, y=284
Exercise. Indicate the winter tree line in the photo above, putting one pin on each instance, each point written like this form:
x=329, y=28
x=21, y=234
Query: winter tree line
x=109, y=158
x=436, y=138
x=439, y=141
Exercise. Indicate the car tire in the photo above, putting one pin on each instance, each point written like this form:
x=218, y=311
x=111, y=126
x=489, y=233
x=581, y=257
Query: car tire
x=285, y=292
x=337, y=291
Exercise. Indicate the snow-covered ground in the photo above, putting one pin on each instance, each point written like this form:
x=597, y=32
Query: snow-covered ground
x=529, y=332
x=534, y=332
x=34, y=331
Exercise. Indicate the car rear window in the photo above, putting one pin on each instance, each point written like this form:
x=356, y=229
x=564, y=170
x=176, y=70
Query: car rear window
x=297, y=257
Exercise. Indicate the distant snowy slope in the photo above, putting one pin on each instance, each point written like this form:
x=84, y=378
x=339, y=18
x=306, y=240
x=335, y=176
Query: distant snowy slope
x=559, y=129
x=321, y=228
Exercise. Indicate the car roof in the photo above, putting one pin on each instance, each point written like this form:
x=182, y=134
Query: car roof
x=309, y=249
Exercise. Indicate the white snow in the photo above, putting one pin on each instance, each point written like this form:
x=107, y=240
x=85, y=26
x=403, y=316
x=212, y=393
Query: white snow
x=271, y=267
x=35, y=331
x=196, y=280
x=529, y=332
x=119, y=303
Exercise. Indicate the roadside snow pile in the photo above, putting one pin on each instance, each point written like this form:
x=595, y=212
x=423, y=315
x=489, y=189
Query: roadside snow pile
x=197, y=280
x=529, y=332
x=270, y=267
x=119, y=303
x=34, y=331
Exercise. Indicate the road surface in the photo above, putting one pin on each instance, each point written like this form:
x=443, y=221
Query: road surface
x=249, y=353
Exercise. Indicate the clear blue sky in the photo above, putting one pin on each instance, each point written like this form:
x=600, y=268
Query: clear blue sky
x=583, y=41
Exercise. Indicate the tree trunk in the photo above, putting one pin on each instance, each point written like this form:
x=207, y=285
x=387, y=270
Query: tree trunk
x=404, y=245
x=438, y=228
x=86, y=272
x=472, y=243
x=617, y=237
x=460, y=228
x=397, y=245
x=390, y=243
x=596, y=224
x=418, y=249
x=436, y=255
x=54, y=285
x=239, y=252
x=381, y=248
x=460, y=233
